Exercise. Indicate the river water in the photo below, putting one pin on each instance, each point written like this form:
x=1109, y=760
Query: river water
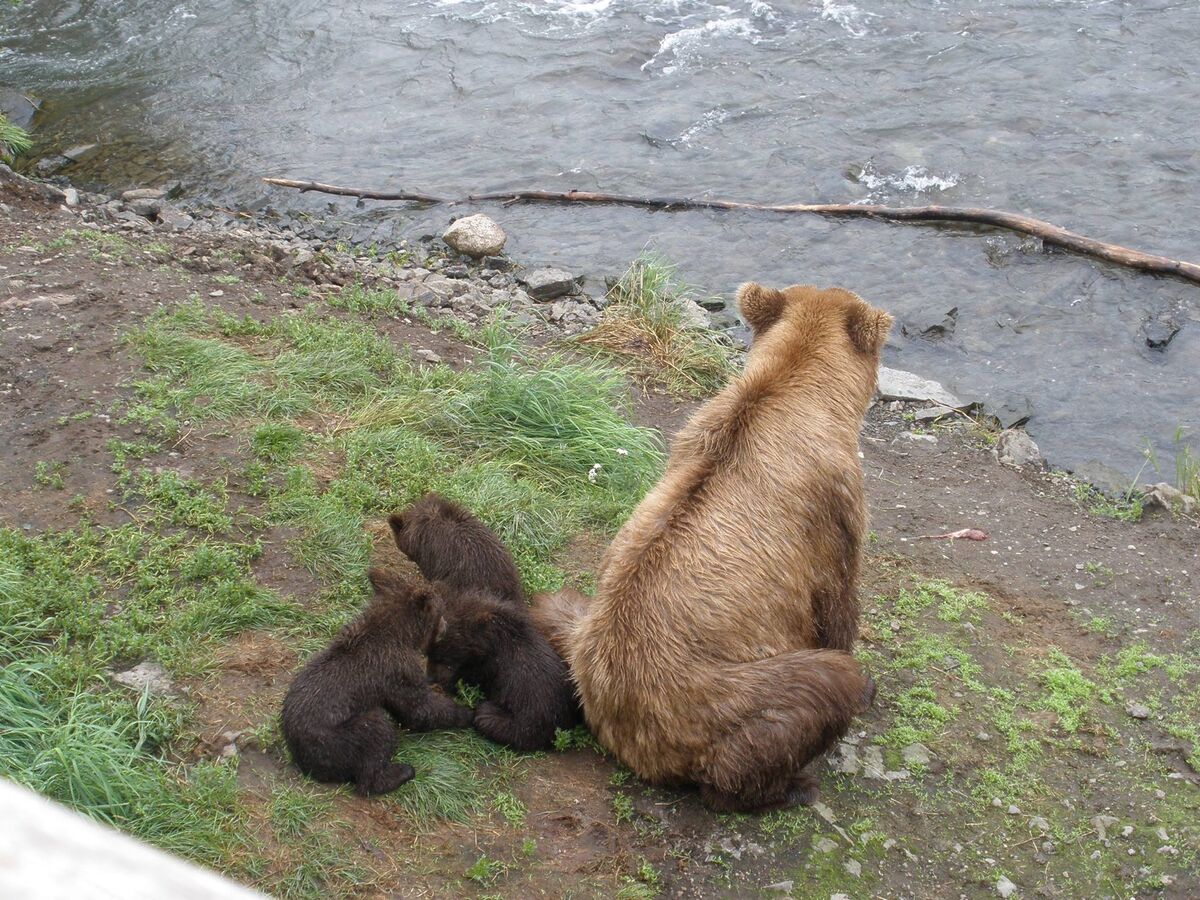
x=1082, y=112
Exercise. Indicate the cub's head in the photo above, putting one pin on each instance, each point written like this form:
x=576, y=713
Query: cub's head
x=407, y=608
x=801, y=323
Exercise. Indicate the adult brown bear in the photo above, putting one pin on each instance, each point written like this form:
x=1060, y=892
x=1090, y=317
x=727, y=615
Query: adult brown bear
x=716, y=651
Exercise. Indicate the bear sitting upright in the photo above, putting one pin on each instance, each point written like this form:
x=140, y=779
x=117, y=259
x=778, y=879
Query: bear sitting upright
x=717, y=649
x=337, y=715
x=450, y=545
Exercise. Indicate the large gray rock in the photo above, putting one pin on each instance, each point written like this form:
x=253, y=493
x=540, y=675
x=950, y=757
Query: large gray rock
x=476, y=236
x=173, y=218
x=895, y=384
x=694, y=315
x=1015, y=448
x=17, y=107
x=547, y=284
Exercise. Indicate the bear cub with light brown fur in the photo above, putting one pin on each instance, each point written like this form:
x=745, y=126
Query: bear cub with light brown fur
x=717, y=649
x=489, y=640
x=339, y=712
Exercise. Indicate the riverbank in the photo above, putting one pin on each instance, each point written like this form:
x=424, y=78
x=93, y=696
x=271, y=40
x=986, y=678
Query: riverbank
x=206, y=426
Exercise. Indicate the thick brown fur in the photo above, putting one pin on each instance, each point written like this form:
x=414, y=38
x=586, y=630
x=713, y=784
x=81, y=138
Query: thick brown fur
x=494, y=644
x=339, y=710
x=451, y=545
x=717, y=649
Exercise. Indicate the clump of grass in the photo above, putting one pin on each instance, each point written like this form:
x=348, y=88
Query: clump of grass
x=1124, y=508
x=649, y=322
x=13, y=140
x=457, y=772
x=1066, y=691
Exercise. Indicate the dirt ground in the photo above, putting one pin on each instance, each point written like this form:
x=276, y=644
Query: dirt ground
x=1007, y=799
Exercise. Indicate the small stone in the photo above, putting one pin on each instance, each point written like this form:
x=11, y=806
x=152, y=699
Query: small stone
x=781, y=887
x=915, y=438
x=143, y=194
x=1040, y=824
x=429, y=356
x=173, y=218
x=1014, y=810
x=712, y=304
x=1004, y=887
x=844, y=759
x=1102, y=823
x=873, y=763
x=853, y=867
x=71, y=196
x=457, y=270
x=1170, y=498
x=982, y=736
x=826, y=845
x=693, y=315
x=1015, y=448
x=50, y=165
x=146, y=208
x=1159, y=331
x=934, y=413
x=475, y=236
x=1137, y=710
x=1127, y=831
x=147, y=677
x=547, y=284
x=916, y=755
x=79, y=151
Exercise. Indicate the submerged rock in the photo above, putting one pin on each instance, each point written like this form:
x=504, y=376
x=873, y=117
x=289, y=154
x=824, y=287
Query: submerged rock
x=475, y=236
x=1159, y=331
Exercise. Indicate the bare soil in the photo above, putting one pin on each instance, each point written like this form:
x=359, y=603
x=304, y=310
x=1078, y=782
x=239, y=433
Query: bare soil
x=1049, y=570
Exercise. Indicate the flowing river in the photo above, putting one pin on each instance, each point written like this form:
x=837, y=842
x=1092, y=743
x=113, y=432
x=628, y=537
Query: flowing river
x=1082, y=112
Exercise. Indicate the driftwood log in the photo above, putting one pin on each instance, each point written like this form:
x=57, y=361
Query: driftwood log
x=1048, y=233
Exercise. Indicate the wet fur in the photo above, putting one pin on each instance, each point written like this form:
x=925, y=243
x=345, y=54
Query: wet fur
x=452, y=546
x=340, y=712
x=717, y=649
x=495, y=645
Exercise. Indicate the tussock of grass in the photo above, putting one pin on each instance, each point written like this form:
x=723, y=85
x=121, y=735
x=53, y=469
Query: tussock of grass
x=13, y=140
x=647, y=322
x=456, y=772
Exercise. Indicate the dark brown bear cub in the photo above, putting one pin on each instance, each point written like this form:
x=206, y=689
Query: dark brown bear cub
x=450, y=545
x=526, y=684
x=338, y=712
x=490, y=640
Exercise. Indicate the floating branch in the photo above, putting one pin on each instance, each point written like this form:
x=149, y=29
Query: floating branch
x=1049, y=234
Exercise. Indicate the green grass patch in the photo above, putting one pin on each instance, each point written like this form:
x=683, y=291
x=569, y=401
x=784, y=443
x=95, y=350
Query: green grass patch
x=1066, y=691
x=648, y=323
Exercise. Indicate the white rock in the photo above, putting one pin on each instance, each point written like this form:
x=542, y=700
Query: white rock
x=476, y=236
x=1004, y=887
x=1102, y=824
x=854, y=867
x=826, y=845
x=149, y=677
x=895, y=384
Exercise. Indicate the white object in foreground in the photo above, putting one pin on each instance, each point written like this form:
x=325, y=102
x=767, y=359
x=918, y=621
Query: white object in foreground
x=48, y=852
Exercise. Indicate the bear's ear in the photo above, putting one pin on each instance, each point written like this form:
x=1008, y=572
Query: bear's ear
x=396, y=523
x=868, y=327
x=760, y=306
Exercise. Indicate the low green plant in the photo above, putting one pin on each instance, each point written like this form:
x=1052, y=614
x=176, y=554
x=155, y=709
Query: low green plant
x=13, y=140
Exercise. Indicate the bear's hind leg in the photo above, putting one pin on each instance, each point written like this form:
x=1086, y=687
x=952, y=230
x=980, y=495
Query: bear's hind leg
x=497, y=724
x=369, y=740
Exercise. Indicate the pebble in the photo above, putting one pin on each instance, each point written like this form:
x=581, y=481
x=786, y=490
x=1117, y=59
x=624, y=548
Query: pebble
x=143, y=194
x=916, y=754
x=853, y=867
x=1102, y=823
x=1137, y=710
x=781, y=887
x=1014, y=810
x=826, y=845
x=429, y=356
x=1015, y=448
x=1040, y=824
x=1004, y=887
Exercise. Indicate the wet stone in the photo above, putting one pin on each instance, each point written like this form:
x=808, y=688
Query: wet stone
x=1159, y=331
x=549, y=284
x=143, y=194
x=475, y=236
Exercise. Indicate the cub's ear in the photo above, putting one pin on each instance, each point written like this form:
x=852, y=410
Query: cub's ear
x=396, y=523
x=381, y=579
x=868, y=327
x=760, y=306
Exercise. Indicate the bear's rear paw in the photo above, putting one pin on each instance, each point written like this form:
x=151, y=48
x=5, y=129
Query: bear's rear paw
x=383, y=780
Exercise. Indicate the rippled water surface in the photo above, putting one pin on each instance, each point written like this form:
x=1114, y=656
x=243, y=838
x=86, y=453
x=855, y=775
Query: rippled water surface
x=1082, y=112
